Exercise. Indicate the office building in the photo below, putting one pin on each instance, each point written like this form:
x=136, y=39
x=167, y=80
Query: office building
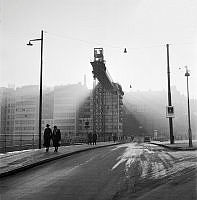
x=67, y=100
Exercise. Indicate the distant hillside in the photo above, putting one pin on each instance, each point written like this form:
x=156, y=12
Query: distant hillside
x=146, y=112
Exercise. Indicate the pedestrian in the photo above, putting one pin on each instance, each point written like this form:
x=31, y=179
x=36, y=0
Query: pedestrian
x=114, y=137
x=56, y=137
x=47, y=137
x=94, y=138
x=89, y=138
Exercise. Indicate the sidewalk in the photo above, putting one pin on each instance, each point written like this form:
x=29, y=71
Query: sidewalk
x=180, y=145
x=13, y=162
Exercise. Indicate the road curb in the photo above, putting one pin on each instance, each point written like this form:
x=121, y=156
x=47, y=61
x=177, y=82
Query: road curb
x=175, y=148
x=28, y=166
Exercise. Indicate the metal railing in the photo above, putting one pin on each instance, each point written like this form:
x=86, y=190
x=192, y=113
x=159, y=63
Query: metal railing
x=19, y=142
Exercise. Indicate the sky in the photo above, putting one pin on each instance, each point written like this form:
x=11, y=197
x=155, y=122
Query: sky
x=73, y=28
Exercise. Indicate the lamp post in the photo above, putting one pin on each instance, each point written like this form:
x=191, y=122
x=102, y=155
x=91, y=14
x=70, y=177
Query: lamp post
x=40, y=97
x=187, y=74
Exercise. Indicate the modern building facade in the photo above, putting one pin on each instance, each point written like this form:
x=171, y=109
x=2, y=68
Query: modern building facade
x=7, y=115
x=26, y=115
x=47, y=108
x=67, y=101
x=85, y=116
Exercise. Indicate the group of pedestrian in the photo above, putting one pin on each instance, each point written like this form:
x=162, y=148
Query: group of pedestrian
x=92, y=138
x=54, y=135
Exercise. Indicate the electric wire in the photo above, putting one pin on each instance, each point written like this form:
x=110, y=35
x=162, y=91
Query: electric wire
x=117, y=47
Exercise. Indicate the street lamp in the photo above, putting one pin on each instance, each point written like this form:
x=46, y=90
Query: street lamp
x=40, y=97
x=187, y=74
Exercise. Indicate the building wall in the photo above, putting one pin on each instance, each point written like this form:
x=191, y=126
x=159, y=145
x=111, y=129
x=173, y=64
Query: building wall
x=2, y=112
x=108, y=108
x=10, y=115
x=26, y=120
x=67, y=100
x=113, y=113
x=47, y=108
x=84, y=116
x=26, y=114
x=7, y=112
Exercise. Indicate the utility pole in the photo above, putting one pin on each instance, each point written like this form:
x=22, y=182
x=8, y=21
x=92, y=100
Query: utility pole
x=187, y=74
x=169, y=96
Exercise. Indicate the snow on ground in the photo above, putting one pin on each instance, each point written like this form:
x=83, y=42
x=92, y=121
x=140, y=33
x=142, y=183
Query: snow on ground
x=145, y=162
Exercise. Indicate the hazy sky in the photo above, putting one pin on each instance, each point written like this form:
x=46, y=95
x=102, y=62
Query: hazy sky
x=74, y=27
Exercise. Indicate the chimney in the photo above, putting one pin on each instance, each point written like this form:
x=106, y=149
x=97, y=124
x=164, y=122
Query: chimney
x=84, y=81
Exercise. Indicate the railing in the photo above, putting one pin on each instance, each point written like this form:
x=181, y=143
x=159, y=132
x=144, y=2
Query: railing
x=19, y=142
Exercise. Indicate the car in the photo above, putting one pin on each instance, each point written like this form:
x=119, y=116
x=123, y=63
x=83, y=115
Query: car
x=146, y=139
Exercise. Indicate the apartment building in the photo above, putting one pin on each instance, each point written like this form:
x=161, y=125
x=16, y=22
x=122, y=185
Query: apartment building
x=26, y=115
x=67, y=100
x=47, y=108
x=7, y=114
x=85, y=115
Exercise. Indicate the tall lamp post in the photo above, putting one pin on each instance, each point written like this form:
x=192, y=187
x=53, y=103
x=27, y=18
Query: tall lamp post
x=187, y=74
x=40, y=97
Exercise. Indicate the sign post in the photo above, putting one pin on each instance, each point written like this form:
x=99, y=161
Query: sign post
x=170, y=112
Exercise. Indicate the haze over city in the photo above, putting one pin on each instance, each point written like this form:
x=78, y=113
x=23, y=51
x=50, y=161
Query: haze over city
x=73, y=28
x=98, y=99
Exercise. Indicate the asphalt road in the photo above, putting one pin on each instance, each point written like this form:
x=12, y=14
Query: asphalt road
x=117, y=172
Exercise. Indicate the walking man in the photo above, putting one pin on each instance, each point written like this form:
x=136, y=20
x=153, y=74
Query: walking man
x=114, y=137
x=56, y=137
x=47, y=137
x=94, y=138
x=89, y=138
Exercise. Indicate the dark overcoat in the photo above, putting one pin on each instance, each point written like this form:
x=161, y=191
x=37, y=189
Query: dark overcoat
x=56, y=137
x=89, y=137
x=47, y=136
x=94, y=137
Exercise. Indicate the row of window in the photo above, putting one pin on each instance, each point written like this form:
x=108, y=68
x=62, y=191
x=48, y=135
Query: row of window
x=64, y=115
x=28, y=128
x=66, y=128
x=25, y=103
x=23, y=122
x=24, y=115
x=64, y=121
x=25, y=109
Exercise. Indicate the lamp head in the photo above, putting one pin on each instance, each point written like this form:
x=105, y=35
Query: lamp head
x=29, y=44
x=187, y=71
